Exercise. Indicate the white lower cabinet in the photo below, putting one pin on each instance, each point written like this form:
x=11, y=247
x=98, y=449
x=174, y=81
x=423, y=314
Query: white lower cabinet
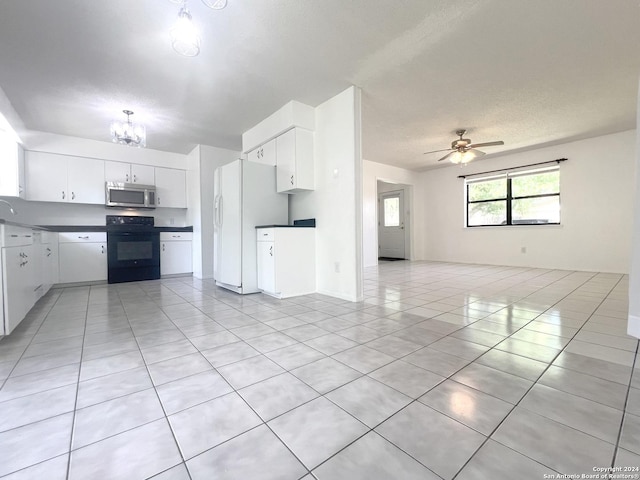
x=82, y=256
x=18, y=276
x=286, y=261
x=175, y=253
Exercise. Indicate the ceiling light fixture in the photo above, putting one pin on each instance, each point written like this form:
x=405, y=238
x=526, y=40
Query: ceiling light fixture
x=215, y=4
x=184, y=35
x=128, y=133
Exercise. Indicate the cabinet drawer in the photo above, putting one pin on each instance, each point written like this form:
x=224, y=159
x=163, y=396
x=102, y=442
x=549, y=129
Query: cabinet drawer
x=265, y=234
x=82, y=237
x=16, y=236
x=175, y=236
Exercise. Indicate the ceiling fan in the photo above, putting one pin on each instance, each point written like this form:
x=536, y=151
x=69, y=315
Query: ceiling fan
x=462, y=150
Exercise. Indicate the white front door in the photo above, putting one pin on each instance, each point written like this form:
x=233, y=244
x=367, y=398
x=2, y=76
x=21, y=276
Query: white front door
x=391, y=232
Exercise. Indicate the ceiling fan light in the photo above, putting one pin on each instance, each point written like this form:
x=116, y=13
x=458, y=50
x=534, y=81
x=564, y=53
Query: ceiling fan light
x=184, y=35
x=215, y=4
x=457, y=158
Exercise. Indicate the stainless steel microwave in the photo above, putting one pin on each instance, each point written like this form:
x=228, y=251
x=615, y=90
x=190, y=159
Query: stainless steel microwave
x=130, y=195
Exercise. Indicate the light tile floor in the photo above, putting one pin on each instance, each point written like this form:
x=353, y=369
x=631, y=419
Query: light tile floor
x=443, y=371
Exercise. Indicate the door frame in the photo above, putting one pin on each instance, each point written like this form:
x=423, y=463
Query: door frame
x=407, y=213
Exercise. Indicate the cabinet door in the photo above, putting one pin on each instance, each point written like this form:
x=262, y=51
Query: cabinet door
x=143, y=174
x=117, y=172
x=267, y=267
x=286, y=161
x=175, y=257
x=18, y=282
x=82, y=262
x=86, y=180
x=46, y=176
x=264, y=154
x=11, y=167
x=171, y=188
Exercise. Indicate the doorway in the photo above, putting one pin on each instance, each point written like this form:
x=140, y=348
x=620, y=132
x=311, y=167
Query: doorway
x=392, y=231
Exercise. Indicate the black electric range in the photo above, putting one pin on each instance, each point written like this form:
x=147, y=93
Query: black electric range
x=133, y=249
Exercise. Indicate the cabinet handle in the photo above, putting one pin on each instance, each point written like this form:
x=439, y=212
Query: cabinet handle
x=126, y=177
x=271, y=250
x=49, y=254
x=63, y=195
x=73, y=195
x=158, y=199
x=102, y=249
x=135, y=179
x=86, y=237
x=14, y=236
x=163, y=247
x=176, y=236
x=27, y=236
x=291, y=179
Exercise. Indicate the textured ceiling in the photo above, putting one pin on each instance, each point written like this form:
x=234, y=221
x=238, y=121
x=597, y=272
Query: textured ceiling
x=526, y=72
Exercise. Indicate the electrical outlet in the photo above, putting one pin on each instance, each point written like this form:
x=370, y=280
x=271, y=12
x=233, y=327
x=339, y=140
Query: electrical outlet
x=523, y=249
x=336, y=267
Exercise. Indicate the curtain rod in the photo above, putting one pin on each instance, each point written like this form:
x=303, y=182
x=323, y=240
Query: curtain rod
x=557, y=160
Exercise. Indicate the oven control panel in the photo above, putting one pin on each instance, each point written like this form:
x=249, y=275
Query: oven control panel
x=129, y=220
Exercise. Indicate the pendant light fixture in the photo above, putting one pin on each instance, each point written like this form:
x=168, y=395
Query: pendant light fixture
x=128, y=133
x=184, y=35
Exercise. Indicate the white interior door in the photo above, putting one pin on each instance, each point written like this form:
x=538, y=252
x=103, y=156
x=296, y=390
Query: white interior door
x=391, y=231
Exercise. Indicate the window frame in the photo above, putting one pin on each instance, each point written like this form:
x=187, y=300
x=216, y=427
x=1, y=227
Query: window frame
x=509, y=198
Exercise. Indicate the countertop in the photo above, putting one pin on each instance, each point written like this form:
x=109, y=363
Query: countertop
x=285, y=226
x=86, y=228
x=23, y=225
x=103, y=228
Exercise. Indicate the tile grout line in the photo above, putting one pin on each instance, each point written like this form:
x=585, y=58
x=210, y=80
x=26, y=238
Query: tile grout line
x=626, y=401
x=75, y=403
x=536, y=382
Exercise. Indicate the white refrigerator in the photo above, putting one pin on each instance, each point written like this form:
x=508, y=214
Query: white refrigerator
x=244, y=196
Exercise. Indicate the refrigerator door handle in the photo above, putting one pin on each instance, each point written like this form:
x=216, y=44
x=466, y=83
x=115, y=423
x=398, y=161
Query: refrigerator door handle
x=220, y=210
x=216, y=206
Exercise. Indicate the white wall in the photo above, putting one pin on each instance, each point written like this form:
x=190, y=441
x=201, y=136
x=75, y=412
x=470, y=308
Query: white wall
x=597, y=187
x=82, y=147
x=336, y=202
x=372, y=172
x=633, y=327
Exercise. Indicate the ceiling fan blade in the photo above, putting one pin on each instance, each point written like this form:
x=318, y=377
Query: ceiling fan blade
x=485, y=144
x=436, y=151
x=447, y=155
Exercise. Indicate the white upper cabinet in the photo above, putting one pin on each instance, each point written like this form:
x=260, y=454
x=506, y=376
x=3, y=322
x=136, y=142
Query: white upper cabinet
x=11, y=167
x=294, y=161
x=85, y=180
x=264, y=154
x=129, y=173
x=171, y=188
x=61, y=178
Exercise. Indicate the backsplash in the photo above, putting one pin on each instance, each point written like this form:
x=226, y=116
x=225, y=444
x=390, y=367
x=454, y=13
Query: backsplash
x=48, y=213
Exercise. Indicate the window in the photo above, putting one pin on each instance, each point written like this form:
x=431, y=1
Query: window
x=392, y=212
x=516, y=198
